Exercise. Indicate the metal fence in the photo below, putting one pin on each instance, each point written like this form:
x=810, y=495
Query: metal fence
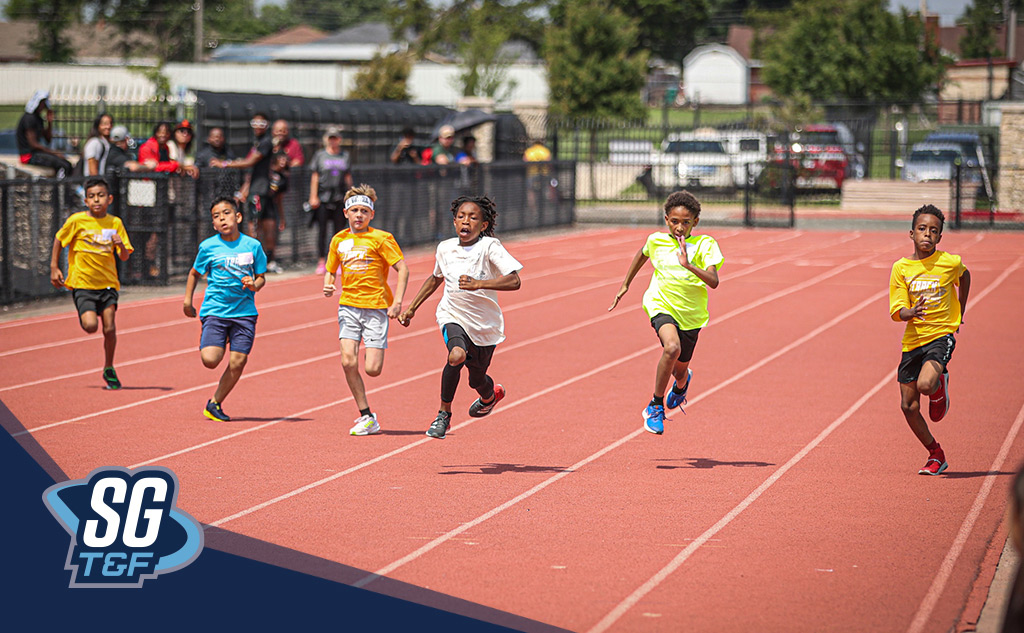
x=167, y=216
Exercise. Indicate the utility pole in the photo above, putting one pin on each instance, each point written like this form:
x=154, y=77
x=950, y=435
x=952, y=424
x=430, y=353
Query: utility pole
x=197, y=54
x=1011, y=30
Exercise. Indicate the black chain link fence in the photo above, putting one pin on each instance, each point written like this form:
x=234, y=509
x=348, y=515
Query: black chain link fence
x=168, y=216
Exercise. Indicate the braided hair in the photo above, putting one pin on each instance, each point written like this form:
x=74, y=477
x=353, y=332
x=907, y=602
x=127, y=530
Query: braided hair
x=486, y=206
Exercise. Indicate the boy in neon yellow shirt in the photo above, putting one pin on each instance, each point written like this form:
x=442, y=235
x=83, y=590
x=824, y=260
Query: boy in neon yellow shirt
x=685, y=266
x=921, y=293
x=93, y=239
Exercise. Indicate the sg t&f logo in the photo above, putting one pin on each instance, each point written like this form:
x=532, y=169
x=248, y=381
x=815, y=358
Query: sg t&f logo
x=125, y=526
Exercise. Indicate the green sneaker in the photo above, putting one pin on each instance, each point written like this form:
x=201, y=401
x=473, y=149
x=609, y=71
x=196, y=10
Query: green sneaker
x=110, y=376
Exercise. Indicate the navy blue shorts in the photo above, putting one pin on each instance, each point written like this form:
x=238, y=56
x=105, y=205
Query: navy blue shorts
x=218, y=332
x=940, y=350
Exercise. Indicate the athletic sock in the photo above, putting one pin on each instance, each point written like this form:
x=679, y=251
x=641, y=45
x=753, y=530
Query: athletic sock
x=676, y=390
x=658, y=400
x=365, y=411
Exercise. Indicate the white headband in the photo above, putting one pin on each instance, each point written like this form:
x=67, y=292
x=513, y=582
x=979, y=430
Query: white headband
x=361, y=201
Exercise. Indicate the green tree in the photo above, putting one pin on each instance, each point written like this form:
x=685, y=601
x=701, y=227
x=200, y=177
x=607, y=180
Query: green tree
x=171, y=24
x=52, y=18
x=384, y=78
x=848, y=50
x=447, y=29
x=332, y=15
x=667, y=28
x=592, y=71
x=979, y=20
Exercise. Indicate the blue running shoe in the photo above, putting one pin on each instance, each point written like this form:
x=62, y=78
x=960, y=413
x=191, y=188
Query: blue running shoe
x=654, y=419
x=672, y=400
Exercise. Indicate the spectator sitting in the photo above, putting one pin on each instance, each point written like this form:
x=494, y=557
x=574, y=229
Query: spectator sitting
x=285, y=143
x=214, y=147
x=118, y=158
x=468, y=154
x=97, y=147
x=31, y=132
x=405, y=152
x=441, y=151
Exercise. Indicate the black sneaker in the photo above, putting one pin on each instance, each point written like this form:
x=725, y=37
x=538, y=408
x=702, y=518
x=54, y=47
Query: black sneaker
x=441, y=424
x=215, y=413
x=110, y=376
x=478, y=409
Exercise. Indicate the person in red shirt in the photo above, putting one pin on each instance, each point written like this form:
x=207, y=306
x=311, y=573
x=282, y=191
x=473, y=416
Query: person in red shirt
x=155, y=153
x=285, y=143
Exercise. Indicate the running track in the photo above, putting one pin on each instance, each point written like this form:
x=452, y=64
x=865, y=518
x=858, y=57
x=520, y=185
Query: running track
x=785, y=499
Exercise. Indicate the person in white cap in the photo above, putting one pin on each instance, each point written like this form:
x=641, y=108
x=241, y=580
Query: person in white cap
x=119, y=158
x=32, y=132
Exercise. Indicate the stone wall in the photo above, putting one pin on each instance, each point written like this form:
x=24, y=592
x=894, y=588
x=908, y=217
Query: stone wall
x=1011, y=158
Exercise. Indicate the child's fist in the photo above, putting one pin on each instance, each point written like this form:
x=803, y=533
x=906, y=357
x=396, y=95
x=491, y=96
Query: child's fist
x=328, y=290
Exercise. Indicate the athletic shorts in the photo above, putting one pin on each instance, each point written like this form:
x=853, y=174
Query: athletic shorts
x=687, y=338
x=366, y=324
x=262, y=207
x=239, y=332
x=477, y=356
x=940, y=350
x=97, y=301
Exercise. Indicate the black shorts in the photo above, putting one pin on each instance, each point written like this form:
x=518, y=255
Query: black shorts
x=477, y=356
x=687, y=338
x=262, y=207
x=97, y=301
x=940, y=350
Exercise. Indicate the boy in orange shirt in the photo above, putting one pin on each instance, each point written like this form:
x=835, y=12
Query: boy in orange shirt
x=364, y=255
x=93, y=239
x=921, y=292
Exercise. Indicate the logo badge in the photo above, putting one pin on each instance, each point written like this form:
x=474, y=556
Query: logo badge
x=125, y=526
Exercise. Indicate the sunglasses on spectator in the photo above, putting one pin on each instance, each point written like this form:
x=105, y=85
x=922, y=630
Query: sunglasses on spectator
x=258, y=123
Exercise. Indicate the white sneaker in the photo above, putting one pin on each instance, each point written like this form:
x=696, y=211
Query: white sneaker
x=366, y=425
x=274, y=267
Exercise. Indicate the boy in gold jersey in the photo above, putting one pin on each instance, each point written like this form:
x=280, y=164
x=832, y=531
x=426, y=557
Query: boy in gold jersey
x=929, y=291
x=361, y=256
x=94, y=240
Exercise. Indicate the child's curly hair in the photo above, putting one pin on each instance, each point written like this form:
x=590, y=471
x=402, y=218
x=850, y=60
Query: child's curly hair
x=362, y=190
x=486, y=206
x=685, y=199
x=929, y=209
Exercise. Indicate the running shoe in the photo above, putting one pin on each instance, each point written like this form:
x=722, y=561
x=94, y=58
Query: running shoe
x=274, y=267
x=938, y=402
x=215, y=413
x=110, y=376
x=478, y=409
x=440, y=425
x=366, y=425
x=935, y=465
x=674, y=400
x=654, y=418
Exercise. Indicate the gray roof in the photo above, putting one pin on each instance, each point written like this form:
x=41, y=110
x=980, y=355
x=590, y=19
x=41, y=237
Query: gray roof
x=365, y=33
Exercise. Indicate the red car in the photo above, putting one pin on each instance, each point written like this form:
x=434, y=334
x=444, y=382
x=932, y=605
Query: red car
x=818, y=156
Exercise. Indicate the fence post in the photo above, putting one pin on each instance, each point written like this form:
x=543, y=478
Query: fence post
x=893, y=141
x=748, y=215
x=958, y=191
x=8, y=222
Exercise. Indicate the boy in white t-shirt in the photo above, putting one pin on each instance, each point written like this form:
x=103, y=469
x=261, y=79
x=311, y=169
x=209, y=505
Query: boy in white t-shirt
x=472, y=267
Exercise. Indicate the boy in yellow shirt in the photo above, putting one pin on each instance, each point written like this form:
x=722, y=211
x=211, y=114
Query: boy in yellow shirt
x=364, y=254
x=93, y=239
x=921, y=292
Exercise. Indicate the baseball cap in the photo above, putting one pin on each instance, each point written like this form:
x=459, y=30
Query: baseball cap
x=119, y=133
x=184, y=125
x=446, y=131
x=333, y=131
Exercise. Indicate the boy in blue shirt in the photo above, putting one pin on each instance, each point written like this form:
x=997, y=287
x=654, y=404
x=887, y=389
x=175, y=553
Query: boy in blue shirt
x=235, y=267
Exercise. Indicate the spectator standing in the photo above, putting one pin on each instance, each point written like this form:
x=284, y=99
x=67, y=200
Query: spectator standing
x=214, y=147
x=97, y=147
x=32, y=132
x=330, y=177
x=155, y=153
x=468, y=154
x=181, y=149
x=118, y=158
x=257, y=184
x=285, y=143
x=441, y=151
x=405, y=153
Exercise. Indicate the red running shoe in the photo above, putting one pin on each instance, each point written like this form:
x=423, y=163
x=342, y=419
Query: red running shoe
x=478, y=409
x=938, y=402
x=935, y=465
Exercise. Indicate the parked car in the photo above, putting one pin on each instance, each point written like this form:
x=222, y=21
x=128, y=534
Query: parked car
x=968, y=142
x=694, y=160
x=816, y=153
x=746, y=147
x=930, y=161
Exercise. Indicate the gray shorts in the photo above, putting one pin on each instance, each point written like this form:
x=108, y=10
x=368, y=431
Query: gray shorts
x=368, y=325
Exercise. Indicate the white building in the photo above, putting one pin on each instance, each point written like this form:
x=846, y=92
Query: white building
x=715, y=73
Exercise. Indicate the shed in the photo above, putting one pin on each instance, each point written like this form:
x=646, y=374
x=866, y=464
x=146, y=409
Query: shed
x=715, y=73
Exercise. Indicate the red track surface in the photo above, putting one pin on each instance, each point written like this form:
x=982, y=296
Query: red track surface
x=786, y=499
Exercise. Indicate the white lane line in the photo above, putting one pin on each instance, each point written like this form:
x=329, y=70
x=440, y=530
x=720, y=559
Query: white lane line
x=631, y=600
x=575, y=467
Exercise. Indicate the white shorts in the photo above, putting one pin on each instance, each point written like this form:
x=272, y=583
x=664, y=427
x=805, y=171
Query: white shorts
x=368, y=325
